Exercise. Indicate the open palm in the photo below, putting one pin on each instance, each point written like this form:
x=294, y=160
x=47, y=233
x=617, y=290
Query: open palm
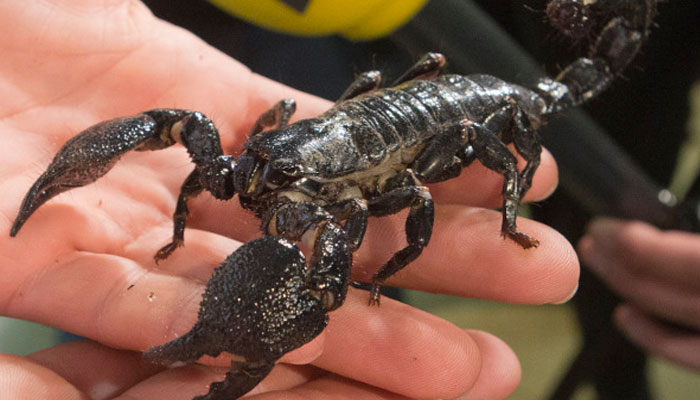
x=84, y=261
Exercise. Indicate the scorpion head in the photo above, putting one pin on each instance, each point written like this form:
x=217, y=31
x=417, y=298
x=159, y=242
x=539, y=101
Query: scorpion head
x=254, y=174
x=249, y=176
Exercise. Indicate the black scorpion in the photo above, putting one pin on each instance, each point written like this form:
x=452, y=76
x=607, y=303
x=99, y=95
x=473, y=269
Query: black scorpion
x=318, y=180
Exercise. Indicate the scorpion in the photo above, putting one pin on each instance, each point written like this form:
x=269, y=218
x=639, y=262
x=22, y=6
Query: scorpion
x=317, y=181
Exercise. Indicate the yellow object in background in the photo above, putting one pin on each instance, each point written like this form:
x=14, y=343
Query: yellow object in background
x=353, y=19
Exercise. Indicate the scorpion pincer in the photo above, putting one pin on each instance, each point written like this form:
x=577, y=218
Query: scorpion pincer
x=386, y=144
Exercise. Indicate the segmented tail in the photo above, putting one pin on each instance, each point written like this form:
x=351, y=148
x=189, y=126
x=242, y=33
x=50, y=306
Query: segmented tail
x=624, y=28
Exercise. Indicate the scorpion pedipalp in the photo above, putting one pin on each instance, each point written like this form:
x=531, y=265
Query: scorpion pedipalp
x=93, y=152
x=88, y=156
x=257, y=306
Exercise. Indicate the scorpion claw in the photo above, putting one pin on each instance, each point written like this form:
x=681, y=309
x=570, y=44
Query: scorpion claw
x=257, y=306
x=239, y=380
x=42, y=190
x=85, y=158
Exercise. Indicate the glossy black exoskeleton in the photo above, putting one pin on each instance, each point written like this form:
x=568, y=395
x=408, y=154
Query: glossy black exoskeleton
x=319, y=179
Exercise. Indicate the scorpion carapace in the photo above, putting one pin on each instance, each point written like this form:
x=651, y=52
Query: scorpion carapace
x=319, y=180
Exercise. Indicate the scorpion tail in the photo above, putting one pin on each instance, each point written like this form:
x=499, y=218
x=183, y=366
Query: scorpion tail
x=621, y=36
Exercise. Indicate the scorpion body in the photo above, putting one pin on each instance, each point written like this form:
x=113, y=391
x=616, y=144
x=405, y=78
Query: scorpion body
x=388, y=129
x=318, y=180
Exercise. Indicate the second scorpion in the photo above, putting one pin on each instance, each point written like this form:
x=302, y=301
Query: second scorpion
x=318, y=180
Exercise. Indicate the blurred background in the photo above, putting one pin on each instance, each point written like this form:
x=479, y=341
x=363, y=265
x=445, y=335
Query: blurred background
x=627, y=140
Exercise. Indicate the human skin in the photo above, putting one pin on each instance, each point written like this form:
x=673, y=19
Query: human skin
x=84, y=261
x=657, y=274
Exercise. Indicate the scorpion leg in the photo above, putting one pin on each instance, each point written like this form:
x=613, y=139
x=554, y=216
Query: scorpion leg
x=190, y=188
x=277, y=116
x=257, y=306
x=514, y=126
x=494, y=155
x=366, y=82
x=419, y=227
x=215, y=177
x=441, y=160
x=428, y=67
x=330, y=264
x=212, y=171
x=527, y=144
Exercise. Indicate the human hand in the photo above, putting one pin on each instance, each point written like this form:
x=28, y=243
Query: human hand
x=657, y=274
x=84, y=261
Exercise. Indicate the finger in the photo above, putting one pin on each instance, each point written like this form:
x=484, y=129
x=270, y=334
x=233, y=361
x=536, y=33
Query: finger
x=22, y=378
x=94, y=369
x=231, y=95
x=500, y=369
x=399, y=349
x=653, y=297
x=115, y=293
x=467, y=257
x=284, y=382
x=192, y=380
x=103, y=296
x=331, y=387
x=102, y=372
x=641, y=249
x=680, y=346
x=361, y=342
x=645, y=289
